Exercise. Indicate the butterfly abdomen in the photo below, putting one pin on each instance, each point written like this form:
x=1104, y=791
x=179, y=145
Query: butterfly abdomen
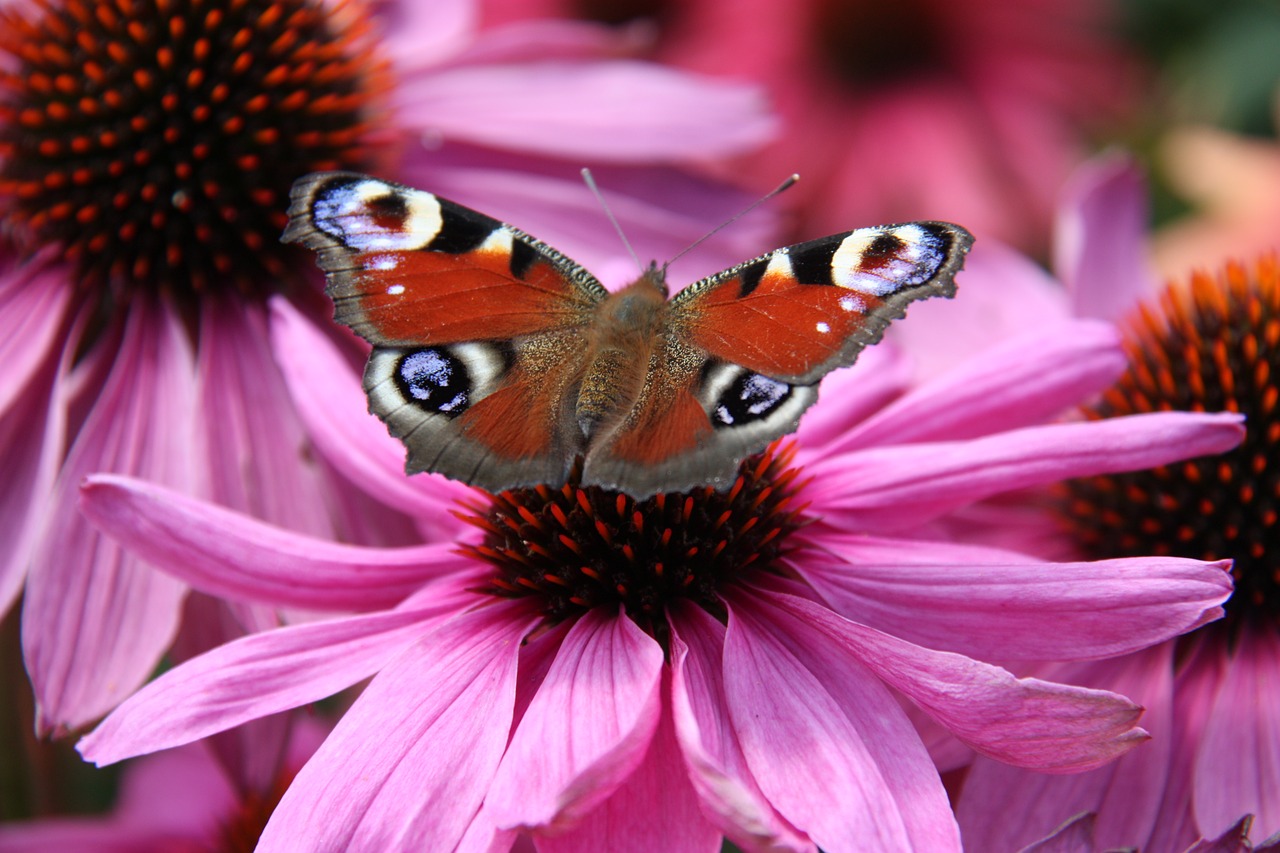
x=620, y=344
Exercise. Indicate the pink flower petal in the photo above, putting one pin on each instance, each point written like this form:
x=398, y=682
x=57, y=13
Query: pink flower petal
x=256, y=445
x=889, y=488
x=659, y=788
x=1004, y=808
x=255, y=676
x=419, y=34
x=1100, y=244
x=224, y=553
x=1074, y=836
x=605, y=679
x=1238, y=767
x=1001, y=293
x=83, y=835
x=539, y=39
x=994, y=605
x=1027, y=380
x=848, y=397
x=31, y=447
x=716, y=765
x=612, y=112
x=409, y=764
x=827, y=743
x=327, y=394
x=1023, y=721
x=95, y=621
x=661, y=209
x=35, y=296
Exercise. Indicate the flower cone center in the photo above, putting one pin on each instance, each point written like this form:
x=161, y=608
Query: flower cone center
x=155, y=141
x=1211, y=346
x=576, y=548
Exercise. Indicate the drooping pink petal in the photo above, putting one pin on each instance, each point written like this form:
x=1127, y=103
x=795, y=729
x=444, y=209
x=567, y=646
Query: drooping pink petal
x=256, y=445
x=1029, y=379
x=538, y=39
x=83, y=835
x=409, y=764
x=881, y=375
x=1000, y=294
x=1237, y=769
x=1005, y=808
x=605, y=679
x=35, y=297
x=993, y=604
x=327, y=394
x=611, y=112
x=31, y=447
x=95, y=620
x=826, y=742
x=656, y=808
x=716, y=766
x=1100, y=240
x=1022, y=721
x=255, y=676
x=225, y=553
x=887, y=488
x=177, y=792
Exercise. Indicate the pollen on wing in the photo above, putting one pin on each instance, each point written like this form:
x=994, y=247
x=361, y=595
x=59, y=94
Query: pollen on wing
x=1211, y=345
x=577, y=548
x=155, y=140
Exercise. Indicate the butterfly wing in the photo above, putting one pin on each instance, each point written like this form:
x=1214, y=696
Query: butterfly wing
x=476, y=327
x=746, y=348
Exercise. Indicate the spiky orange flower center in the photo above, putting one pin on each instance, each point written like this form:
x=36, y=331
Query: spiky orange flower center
x=155, y=141
x=577, y=548
x=1213, y=345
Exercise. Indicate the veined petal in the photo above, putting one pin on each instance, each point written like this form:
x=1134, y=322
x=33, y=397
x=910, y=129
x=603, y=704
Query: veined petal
x=881, y=374
x=611, y=112
x=95, y=621
x=31, y=447
x=1237, y=768
x=256, y=445
x=716, y=765
x=35, y=296
x=827, y=743
x=887, y=488
x=1100, y=239
x=255, y=676
x=993, y=604
x=1004, y=808
x=1027, y=380
x=626, y=821
x=1022, y=721
x=228, y=554
x=605, y=684
x=327, y=394
x=409, y=764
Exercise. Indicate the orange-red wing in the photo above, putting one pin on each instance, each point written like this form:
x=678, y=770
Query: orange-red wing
x=406, y=267
x=800, y=312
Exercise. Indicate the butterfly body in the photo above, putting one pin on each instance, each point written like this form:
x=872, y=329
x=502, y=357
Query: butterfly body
x=500, y=362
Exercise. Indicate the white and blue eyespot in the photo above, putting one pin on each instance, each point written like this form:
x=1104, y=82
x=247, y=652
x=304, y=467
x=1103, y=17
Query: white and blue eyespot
x=371, y=216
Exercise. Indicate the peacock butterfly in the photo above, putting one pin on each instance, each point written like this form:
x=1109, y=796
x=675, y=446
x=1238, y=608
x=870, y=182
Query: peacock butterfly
x=499, y=362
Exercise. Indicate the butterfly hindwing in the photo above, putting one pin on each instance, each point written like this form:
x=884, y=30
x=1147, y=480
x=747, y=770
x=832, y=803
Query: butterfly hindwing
x=474, y=324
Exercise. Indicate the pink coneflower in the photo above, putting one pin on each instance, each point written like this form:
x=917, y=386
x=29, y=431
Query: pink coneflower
x=1211, y=696
x=974, y=111
x=599, y=672
x=146, y=151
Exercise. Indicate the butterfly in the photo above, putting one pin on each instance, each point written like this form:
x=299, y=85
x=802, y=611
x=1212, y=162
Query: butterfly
x=499, y=362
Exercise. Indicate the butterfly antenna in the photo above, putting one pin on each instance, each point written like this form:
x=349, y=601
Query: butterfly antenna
x=785, y=185
x=595, y=190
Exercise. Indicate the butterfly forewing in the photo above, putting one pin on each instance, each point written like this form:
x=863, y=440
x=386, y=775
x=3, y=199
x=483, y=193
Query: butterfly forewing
x=798, y=313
